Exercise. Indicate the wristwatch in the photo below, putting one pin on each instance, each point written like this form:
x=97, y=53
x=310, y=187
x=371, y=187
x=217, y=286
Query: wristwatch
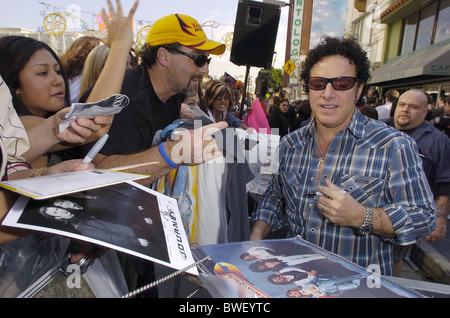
x=367, y=226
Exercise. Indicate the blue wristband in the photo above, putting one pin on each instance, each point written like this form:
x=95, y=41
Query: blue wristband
x=166, y=157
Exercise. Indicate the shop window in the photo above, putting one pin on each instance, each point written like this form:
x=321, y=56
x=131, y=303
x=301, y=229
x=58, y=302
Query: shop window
x=443, y=23
x=409, y=33
x=426, y=25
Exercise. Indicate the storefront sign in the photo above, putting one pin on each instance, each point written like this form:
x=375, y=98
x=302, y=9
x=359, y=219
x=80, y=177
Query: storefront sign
x=439, y=69
x=296, y=36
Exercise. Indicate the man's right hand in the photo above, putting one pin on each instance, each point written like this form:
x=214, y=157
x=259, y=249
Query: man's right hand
x=196, y=146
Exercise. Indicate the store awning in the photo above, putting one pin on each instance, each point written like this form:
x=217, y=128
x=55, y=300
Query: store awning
x=434, y=61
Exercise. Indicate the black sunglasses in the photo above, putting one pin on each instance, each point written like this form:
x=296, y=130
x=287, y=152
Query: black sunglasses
x=199, y=60
x=342, y=83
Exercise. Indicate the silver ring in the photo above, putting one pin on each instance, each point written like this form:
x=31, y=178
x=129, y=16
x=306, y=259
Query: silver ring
x=82, y=262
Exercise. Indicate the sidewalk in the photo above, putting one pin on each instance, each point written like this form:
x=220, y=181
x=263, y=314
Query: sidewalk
x=428, y=268
x=434, y=258
x=429, y=259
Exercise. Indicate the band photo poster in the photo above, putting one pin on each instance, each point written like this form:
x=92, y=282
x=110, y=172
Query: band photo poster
x=288, y=268
x=126, y=217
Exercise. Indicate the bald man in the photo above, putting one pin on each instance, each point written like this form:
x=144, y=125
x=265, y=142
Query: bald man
x=434, y=150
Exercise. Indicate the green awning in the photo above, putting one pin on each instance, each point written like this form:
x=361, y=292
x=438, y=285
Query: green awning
x=433, y=61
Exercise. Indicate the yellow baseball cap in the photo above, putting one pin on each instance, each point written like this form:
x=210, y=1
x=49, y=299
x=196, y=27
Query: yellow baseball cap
x=180, y=28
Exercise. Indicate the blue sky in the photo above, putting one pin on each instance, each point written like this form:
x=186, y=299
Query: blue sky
x=29, y=14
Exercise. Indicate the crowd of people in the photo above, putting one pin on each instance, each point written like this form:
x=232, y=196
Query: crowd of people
x=362, y=180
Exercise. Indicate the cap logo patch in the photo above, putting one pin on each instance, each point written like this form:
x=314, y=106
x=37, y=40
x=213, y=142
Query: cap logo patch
x=184, y=27
x=197, y=27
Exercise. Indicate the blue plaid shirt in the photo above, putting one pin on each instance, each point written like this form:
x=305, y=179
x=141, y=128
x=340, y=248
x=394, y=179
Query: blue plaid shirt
x=377, y=165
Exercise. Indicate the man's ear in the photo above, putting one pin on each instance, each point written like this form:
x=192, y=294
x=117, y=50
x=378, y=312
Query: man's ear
x=162, y=56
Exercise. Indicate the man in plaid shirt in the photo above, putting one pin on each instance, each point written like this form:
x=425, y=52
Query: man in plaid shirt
x=347, y=183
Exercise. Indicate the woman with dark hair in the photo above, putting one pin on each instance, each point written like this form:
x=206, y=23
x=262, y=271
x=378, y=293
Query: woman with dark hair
x=218, y=97
x=304, y=114
x=20, y=55
x=40, y=91
x=279, y=118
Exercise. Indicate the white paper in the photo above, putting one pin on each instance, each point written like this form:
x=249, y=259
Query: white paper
x=110, y=106
x=49, y=186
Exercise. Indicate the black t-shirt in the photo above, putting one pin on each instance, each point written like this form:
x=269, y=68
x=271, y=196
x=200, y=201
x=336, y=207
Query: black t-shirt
x=279, y=121
x=444, y=124
x=133, y=129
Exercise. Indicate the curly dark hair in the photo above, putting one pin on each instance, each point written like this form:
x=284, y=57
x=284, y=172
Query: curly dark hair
x=345, y=46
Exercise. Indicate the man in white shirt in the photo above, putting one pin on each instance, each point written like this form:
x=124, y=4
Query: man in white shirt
x=384, y=110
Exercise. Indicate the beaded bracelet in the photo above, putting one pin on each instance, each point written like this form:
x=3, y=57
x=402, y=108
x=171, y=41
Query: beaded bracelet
x=166, y=157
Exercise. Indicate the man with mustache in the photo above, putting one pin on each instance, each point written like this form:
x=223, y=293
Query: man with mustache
x=175, y=57
x=346, y=182
x=434, y=150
